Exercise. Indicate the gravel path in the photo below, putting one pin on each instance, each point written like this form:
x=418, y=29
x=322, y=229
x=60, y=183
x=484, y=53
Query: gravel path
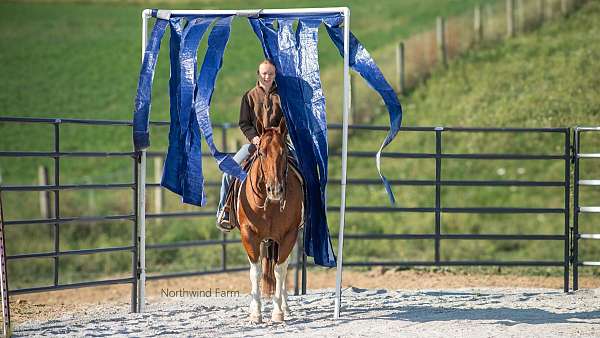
x=476, y=312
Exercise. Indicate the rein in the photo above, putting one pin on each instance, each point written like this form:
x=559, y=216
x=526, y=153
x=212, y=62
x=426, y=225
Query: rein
x=256, y=192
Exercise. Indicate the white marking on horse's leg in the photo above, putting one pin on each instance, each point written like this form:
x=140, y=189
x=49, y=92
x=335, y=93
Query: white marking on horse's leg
x=280, y=292
x=255, y=305
x=284, y=294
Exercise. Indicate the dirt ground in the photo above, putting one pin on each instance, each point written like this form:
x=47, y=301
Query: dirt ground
x=50, y=305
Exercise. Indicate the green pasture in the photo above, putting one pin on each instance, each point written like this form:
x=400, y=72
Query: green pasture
x=73, y=60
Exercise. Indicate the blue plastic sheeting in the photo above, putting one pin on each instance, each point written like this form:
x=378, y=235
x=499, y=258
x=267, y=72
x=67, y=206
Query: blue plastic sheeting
x=295, y=55
x=303, y=104
x=362, y=62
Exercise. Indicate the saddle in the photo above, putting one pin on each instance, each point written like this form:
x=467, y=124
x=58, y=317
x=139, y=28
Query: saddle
x=236, y=184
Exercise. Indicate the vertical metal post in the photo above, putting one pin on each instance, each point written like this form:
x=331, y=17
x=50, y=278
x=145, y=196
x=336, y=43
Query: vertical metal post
x=56, y=198
x=141, y=199
x=158, y=192
x=134, y=235
x=438, y=192
x=4, y=277
x=575, y=259
x=224, y=128
x=340, y=251
x=43, y=180
x=567, y=206
x=303, y=288
x=299, y=244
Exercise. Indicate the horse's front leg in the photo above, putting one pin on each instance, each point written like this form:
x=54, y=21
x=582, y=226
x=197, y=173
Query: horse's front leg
x=255, y=305
x=280, y=306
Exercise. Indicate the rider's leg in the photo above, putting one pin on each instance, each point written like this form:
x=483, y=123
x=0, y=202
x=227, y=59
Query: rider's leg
x=240, y=156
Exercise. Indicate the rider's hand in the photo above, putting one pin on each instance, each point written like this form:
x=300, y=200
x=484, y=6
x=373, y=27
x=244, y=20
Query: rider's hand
x=255, y=140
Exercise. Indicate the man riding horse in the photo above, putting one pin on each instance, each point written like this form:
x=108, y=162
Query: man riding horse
x=260, y=109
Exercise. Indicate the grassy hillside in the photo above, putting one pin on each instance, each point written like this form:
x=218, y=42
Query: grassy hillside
x=547, y=78
x=80, y=60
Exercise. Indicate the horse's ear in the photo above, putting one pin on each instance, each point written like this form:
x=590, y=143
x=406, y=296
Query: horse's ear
x=282, y=126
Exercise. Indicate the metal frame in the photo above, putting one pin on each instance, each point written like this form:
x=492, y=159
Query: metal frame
x=577, y=208
x=3, y=278
x=300, y=263
x=345, y=11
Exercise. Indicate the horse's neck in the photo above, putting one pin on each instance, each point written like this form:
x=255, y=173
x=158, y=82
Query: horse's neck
x=257, y=186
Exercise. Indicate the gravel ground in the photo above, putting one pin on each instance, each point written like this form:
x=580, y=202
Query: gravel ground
x=485, y=312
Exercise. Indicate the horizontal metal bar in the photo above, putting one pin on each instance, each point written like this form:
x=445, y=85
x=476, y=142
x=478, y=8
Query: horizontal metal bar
x=206, y=184
x=66, y=187
x=191, y=243
x=63, y=154
x=70, y=252
x=589, y=264
x=501, y=183
x=380, y=209
x=588, y=155
x=325, y=10
x=368, y=154
x=453, y=210
x=504, y=156
x=589, y=182
x=457, y=263
x=70, y=286
x=587, y=129
x=589, y=236
x=71, y=220
x=589, y=209
x=456, y=236
x=196, y=273
x=505, y=210
x=329, y=126
x=509, y=130
x=64, y=121
x=183, y=214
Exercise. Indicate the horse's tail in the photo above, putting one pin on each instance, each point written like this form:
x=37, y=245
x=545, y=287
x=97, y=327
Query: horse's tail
x=270, y=253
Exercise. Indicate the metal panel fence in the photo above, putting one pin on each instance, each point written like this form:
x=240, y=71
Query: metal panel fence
x=438, y=209
x=577, y=207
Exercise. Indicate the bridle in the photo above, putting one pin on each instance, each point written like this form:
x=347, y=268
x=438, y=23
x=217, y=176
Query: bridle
x=282, y=201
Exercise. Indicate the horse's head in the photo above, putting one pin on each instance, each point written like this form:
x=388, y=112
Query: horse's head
x=272, y=152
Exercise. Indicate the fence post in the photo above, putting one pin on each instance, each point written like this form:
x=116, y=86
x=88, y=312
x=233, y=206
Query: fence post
x=441, y=41
x=541, y=11
x=477, y=24
x=400, y=67
x=158, y=192
x=550, y=10
x=510, y=18
x=44, y=194
x=354, y=118
x=564, y=7
x=224, y=128
x=4, y=278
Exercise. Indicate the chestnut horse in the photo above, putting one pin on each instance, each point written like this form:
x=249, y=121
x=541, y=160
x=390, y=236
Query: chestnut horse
x=270, y=212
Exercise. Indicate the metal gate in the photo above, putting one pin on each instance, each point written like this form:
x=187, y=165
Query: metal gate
x=578, y=207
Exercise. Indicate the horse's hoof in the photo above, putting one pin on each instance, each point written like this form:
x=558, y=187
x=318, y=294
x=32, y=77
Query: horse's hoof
x=277, y=317
x=286, y=312
x=255, y=318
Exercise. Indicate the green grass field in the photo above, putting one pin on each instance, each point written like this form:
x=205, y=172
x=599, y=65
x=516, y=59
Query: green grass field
x=81, y=61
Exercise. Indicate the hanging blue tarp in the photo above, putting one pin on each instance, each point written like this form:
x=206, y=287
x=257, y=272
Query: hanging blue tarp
x=295, y=55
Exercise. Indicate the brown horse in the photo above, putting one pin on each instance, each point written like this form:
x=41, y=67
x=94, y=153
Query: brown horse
x=270, y=212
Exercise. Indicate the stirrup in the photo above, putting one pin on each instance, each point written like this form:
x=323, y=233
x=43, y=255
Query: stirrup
x=224, y=220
